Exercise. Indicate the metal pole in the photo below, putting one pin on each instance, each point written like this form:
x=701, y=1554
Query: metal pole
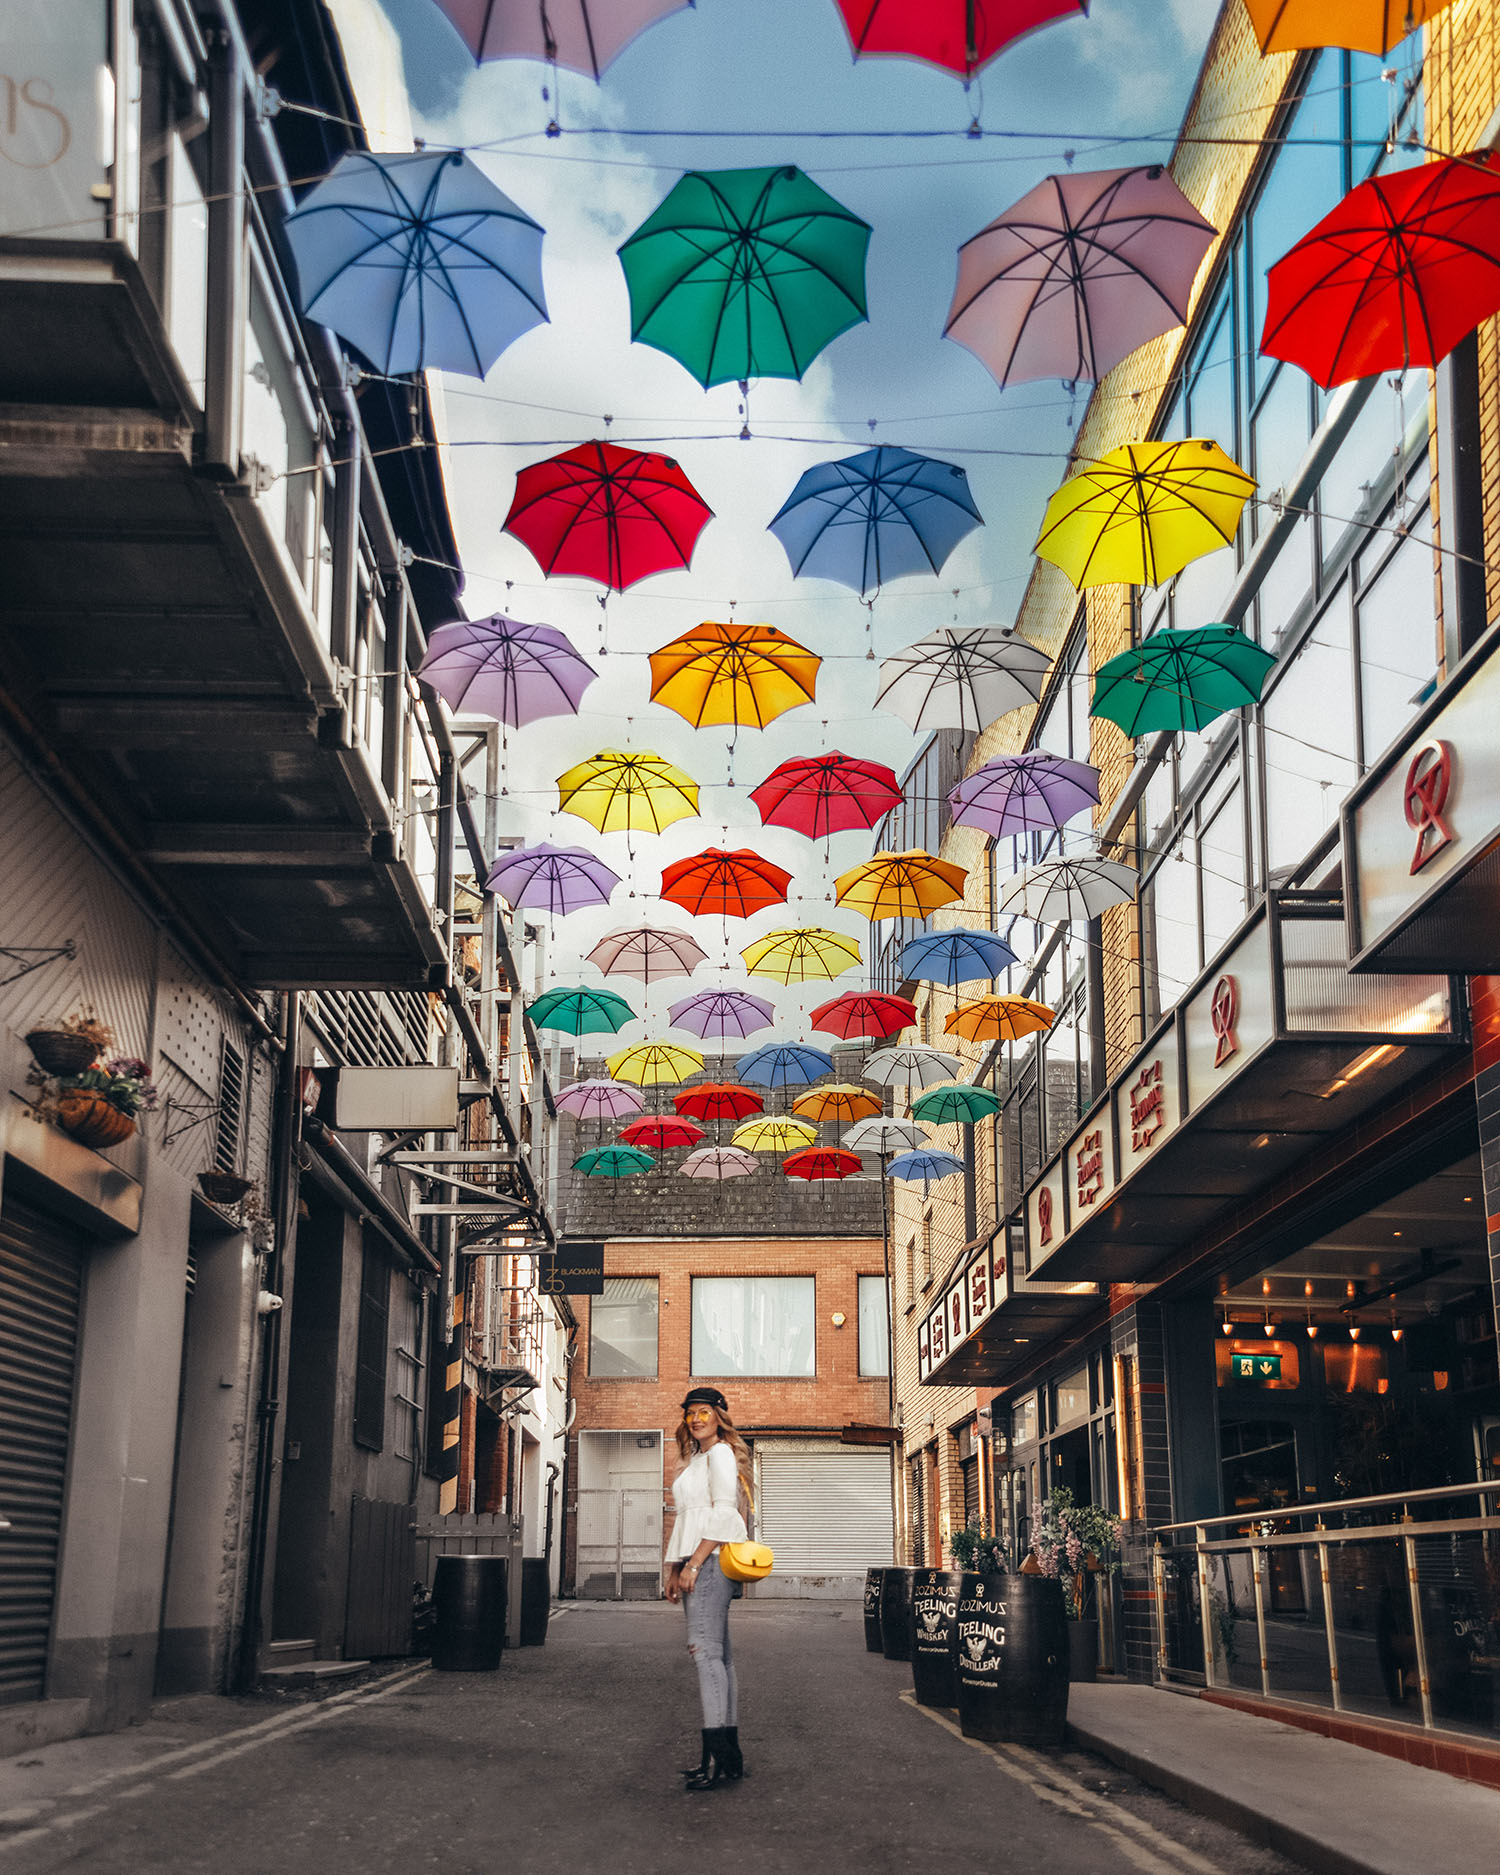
x=1259, y=1560
x=1205, y=1604
x=1159, y=1572
x=1333, y=1649
x=890, y=1352
x=1419, y=1633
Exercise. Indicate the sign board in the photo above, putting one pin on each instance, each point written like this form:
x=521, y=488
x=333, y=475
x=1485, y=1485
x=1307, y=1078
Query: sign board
x=574, y=1269
x=1230, y=1017
x=1090, y=1159
x=1148, y=1110
x=1256, y=1368
x=56, y=120
x=1046, y=1214
x=396, y=1100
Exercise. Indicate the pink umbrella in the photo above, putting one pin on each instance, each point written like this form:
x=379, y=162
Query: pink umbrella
x=584, y=35
x=647, y=953
x=718, y=1163
x=600, y=1100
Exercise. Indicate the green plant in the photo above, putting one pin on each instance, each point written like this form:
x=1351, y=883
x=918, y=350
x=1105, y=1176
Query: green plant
x=1075, y=1543
x=125, y=1082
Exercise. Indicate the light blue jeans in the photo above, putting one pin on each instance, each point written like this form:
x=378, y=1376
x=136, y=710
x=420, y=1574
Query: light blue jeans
x=707, y=1606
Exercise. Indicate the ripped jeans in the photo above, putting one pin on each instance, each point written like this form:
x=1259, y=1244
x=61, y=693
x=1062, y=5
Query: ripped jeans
x=708, y=1643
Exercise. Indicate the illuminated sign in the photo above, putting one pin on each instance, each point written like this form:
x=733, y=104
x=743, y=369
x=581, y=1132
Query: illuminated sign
x=1258, y=1368
x=1429, y=777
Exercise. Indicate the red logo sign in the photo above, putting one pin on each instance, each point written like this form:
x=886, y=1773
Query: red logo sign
x=1428, y=781
x=1090, y=1168
x=1223, y=1013
x=956, y=1306
x=1044, y=1215
x=1147, y=1114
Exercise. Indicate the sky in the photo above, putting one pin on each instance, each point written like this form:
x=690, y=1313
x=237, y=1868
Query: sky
x=1095, y=92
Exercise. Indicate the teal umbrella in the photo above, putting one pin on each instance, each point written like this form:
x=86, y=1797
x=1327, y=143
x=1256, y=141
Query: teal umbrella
x=579, y=1010
x=960, y=1104
x=1181, y=679
x=614, y=1162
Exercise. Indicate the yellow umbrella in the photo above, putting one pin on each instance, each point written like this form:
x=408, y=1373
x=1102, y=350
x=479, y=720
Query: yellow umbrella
x=732, y=673
x=900, y=885
x=627, y=791
x=838, y=1100
x=653, y=1064
x=999, y=1019
x=799, y=954
x=773, y=1135
x=1143, y=511
x=1361, y=25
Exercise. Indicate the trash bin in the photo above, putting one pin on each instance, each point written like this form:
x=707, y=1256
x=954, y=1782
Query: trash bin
x=536, y=1600
x=469, y=1598
x=873, y=1580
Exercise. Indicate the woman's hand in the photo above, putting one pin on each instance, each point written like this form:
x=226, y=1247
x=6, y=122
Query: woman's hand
x=673, y=1590
x=687, y=1577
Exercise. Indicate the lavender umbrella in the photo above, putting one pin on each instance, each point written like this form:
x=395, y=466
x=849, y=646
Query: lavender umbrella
x=498, y=667
x=648, y=953
x=558, y=879
x=718, y=1163
x=718, y=1015
x=600, y=1100
x=1023, y=793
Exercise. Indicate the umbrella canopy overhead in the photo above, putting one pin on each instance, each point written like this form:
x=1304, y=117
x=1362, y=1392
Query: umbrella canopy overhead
x=722, y=1015
x=746, y=273
x=836, y=1100
x=820, y=795
x=654, y=1064
x=960, y=1104
x=614, y=1162
x=583, y=35
x=718, y=1163
x=747, y=675
x=1068, y=891
x=864, y=1012
x=957, y=35
x=875, y=517
x=599, y=1100
x=879, y=1134
x=660, y=1134
x=801, y=954
x=961, y=677
x=647, y=952
x=1361, y=25
x=784, y=1064
x=1142, y=512
x=914, y=1065
x=580, y=1010
x=1181, y=679
x=1077, y=274
x=609, y=514
x=821, y=1162
x=998, y=1019
x=929, y=1166
x=774, y=1134
x=726, y=884
x=1401, y=270
x=498, y=667
x=417, y=260
x=954, y=957
x=559, y=879
x=900, y=885
x=1034, y=792
x=628, y=791
x=718, y=1100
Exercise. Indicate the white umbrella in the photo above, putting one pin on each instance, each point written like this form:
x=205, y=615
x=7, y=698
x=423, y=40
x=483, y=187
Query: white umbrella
x=911, y=1066
x=961, y=677
x=878, y=1134
x=719, y=1163
x=1066, y=891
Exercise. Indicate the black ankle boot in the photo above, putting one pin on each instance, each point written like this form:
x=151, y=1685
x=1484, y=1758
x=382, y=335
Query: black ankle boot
x=717, y=1758
x=734, y=1763
x=701, y=1768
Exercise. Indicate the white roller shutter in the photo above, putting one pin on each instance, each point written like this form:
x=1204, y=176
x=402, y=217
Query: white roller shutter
x=824, y=1508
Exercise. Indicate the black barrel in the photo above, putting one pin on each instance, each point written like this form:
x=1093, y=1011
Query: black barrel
x=469, y=1596
x=895, y=1613
x=934, y=1611
x=873, y=1579
x=536, y=1600
x=1012, y=1654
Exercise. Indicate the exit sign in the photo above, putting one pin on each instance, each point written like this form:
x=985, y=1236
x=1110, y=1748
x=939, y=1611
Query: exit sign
x=1260, y=1368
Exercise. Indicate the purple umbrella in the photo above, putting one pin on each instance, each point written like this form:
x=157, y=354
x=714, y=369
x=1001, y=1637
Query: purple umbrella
x=648, y=953
x=719, y=1014
x=497, y=667
x=719, y=1163
x=552, y=878
x=1023, y=793
x=600, y=1100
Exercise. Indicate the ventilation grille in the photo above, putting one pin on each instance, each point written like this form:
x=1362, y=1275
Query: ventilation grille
x=229, y=1123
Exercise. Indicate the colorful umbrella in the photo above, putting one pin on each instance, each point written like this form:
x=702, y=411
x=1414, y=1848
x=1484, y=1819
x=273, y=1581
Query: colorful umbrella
x=836, y=1100
x=998, y=1019
x=1068, y=891
x=1402, y=269
x=961, y=677
x=801, y=954
x=959, y=35
x=654, y=1064
x=498, y=667
x=928, y=1165
x=1142, y=512
x=784, y=1064
x=721, y=1015
x=864, y=1012
x=959, y=1104
x=583, y=35
x=913, y=1065
x=954, y=957
x=821, y=795
x=774, y=1134
x=613, y=1162
x=1181, y=679
x=581, y=1011
x=1036, y=791
x=417, y=260
x=661, y=1134
x=648, y=953
x=821, y=1162
x=883, y=1135
x=1077, y=274
x=718, y=1163
x=718, y=1100
x=599, y=1100
x=609, y=514
x=747, y=675
x=628, y=791
x=900, y=885
x=746, y=273
x=875, y=517
x=1361, y=25
x=724, y=884
x=558, y=879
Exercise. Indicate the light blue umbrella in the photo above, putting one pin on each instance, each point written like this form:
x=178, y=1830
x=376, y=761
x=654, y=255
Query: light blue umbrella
x=955, y=957
x=873, y=517
x=784, y=1064
x=418, y=261
x=927, y=1166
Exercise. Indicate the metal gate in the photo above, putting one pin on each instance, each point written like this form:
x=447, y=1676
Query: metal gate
x=619, y=1545
x=824, y=1508
x=382, y=1569
x=41, y=1271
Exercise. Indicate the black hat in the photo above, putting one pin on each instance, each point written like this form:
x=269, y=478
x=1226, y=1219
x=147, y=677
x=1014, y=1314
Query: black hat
x=706, y=1396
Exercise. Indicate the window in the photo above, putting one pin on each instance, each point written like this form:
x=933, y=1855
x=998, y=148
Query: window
x=1309, y=739
x=927, y=1250
x=622, y=1329
x=754, y=1326
x=370, y=1351
x=1398, y=651
x=403, y=1405
x=874, y=1328
x=911, y=1272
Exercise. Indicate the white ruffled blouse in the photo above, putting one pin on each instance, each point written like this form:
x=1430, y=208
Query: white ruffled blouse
x=706, y=1493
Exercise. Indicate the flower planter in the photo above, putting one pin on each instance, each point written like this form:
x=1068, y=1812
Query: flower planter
x=91, y=1120
x=223, y=1187
x=60, y=1051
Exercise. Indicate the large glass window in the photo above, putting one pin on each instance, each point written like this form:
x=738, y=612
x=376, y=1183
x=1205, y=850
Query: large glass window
x=1169, y=931
x=754, y=1326
x=874, y=1336
x=1398, y=648
x=1310, y=762
x=622, y=1329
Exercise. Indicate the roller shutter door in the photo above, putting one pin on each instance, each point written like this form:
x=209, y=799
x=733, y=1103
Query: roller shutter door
x=824, y=1509
x=41, y=1267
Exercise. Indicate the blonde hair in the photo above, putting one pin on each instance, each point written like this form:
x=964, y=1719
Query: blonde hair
x=687, y=1445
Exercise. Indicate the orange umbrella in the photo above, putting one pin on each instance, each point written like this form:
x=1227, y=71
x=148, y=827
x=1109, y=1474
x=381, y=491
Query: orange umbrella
x=999, y=1019
x=900, y=885
x=836, y=1100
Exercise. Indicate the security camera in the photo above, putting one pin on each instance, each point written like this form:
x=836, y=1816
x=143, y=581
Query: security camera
x=267, y=1304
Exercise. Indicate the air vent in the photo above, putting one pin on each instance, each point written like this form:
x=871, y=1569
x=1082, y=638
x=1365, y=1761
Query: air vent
x=229, y=1124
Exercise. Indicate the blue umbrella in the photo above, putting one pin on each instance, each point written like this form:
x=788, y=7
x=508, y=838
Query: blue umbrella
x=418, y=261
x=955, y=957
x=927, y=1166
x=784, y=1064
x=875, y=516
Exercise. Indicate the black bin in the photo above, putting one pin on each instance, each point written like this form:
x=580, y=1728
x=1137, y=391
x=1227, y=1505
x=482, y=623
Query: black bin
x=873, y=1580
x=895, y=1613
x=469, y=1597
x=536, y=1600
x=1012, y=1659
x=934, y=1607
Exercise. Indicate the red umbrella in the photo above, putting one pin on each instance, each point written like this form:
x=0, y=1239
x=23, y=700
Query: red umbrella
x=728, y=884
x=606, y=513
x=959, y=35
x=864, y=1012
x=821, y=795
x=817, y=1162
x=1403, y=268
x=718, y=1100
x=661, y=1135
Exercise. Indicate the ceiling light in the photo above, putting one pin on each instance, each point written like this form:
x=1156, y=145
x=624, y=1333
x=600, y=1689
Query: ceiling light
x=1361, y=1064
x=1226, y=1327
x=1354, y=1331
x=1312, y=1329
x=1307, y=1287
x=1396, y=1330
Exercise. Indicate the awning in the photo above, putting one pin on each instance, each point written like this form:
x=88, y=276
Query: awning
x=331, y=1161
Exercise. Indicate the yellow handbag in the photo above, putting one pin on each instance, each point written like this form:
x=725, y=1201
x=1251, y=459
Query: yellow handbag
x=749, y=1561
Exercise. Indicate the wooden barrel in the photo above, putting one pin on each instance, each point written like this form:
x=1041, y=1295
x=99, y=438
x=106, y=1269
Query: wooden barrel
x=934, y=1610
x=469, y=1601
x=873, y=1579
x=895, y=1613
x=1012, y=1659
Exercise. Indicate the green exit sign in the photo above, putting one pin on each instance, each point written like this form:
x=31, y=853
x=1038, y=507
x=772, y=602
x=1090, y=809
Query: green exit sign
x=1260, y=1368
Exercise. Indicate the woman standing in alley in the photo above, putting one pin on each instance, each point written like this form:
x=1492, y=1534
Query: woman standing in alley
x=706, y=1495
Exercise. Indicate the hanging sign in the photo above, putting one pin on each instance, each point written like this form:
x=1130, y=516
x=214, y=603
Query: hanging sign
x=575, y=1269
x=1259, y=1369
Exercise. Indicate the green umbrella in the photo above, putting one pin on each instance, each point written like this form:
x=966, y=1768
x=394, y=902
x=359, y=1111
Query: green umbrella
x=1181, y=679
x=958, y=1104
x=746, y=273
x=614, y=1162
x=581, y=1011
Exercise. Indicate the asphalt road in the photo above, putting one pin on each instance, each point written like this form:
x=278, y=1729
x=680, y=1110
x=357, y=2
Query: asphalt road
x=567, y=1760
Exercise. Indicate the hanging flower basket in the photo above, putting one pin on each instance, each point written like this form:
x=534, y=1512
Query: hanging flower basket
x=62, y=1051
x=92, y=1120
x=223, y=1187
